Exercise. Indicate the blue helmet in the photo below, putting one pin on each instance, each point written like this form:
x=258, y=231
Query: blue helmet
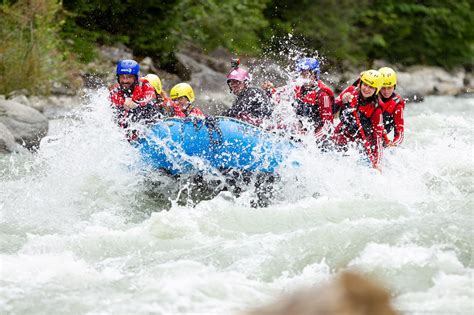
x=128, y=66
x=311, y=64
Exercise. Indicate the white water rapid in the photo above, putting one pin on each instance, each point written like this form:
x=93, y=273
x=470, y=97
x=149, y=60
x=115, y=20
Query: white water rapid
x=81, y=233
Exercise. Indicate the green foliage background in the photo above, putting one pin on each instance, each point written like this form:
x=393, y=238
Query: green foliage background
x=428, y=32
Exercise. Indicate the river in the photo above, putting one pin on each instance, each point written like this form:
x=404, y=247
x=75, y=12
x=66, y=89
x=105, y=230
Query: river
x=80, y=232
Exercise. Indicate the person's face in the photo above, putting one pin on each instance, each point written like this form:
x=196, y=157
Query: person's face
x=367, y=90
x=308, y=74
x=182, y=102
x=126, y=80
x=236, y=87
x=387, y=91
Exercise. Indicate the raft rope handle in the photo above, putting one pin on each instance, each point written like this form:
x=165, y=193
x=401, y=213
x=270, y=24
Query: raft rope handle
x=212, y=126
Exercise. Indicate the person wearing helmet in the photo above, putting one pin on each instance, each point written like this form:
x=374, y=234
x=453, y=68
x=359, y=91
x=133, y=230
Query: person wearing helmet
x=183, y=96
x=131, y=98
x=392, y=107
x=313, y=99
x=251, y=104
x=164, y=105
x=361, y=116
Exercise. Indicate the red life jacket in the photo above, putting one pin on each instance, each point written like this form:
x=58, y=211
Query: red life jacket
x=312, y=104
x=361, y=119
x=388, y=108
x=190, y=111
x=142, y=94
x=393, y=118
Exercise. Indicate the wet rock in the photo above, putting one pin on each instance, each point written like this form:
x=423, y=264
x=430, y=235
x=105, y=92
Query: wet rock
x=423, y=81
x=7, y=141
x=93, y=80
x=26, y=124
x=468, y=93
x=268, y=70
x=56, y=106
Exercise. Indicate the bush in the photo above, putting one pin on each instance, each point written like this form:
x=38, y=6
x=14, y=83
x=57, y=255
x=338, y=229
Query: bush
x=30, y=54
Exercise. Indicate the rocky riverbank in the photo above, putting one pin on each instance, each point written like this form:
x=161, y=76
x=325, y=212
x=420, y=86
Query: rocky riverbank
x=24, y=118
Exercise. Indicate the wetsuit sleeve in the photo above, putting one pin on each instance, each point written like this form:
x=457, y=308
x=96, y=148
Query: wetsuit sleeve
x=261, y=106
x=399, y=124
x=338, y=104
x=325, y=109
x=146, y=97
x=116, y=98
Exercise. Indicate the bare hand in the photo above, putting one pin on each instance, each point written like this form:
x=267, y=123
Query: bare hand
x=347, y=97
x=129, y=104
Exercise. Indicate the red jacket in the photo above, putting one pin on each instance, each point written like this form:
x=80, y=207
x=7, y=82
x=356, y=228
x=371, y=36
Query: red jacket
x=361, y=121
x=316, y=104
x=193, y=111
x=143, y=94
x=392, y=109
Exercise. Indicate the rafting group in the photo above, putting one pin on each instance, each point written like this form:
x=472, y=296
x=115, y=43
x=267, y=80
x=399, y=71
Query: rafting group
x=369, y=110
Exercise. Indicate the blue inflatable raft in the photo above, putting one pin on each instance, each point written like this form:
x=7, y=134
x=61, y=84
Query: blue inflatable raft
x=181, y=146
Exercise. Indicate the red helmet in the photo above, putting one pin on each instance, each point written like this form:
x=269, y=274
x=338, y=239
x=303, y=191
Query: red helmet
x=238, y=74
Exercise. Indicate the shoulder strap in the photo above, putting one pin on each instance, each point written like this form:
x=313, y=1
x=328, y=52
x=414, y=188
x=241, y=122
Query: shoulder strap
x=396, y=99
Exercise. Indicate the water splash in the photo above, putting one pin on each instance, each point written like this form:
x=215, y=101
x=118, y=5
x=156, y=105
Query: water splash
x=79, y=224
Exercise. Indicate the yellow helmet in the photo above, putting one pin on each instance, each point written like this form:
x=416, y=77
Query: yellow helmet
x=182, y=89
x=389, y=76
x=372, y=78
x=155, y=81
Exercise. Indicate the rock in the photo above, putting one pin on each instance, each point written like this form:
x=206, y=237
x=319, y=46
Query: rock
x=59, y=105
x=213, y=103
x=39, y=103
x=93, y=80
x=468, y=80
x=212, y=92
x=468, y=93
x=423, y=81
x=115, y=53
x=18, y=92
x=146, y=65
x=267, y=70
x=59, y=88
x=22, y=99
x=26, y=124
x=221, y=53
x=167, y=79
x=216, y=64
x=190, y=64
x=7, y=141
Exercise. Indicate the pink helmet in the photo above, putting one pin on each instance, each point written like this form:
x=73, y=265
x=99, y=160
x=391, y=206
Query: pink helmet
x=238, y=74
